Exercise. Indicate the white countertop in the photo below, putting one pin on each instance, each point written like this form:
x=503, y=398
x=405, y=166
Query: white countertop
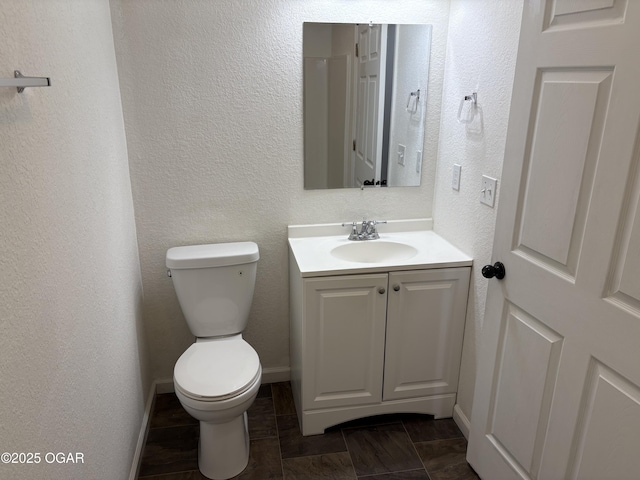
x=311, y=246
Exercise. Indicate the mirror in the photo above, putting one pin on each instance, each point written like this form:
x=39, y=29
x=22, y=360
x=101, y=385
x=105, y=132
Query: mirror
x=365, y=99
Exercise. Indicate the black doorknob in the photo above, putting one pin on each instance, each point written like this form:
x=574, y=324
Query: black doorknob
x=496, y=270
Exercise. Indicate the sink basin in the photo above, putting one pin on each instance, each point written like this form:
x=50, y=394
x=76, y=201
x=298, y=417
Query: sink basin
x=373, y=251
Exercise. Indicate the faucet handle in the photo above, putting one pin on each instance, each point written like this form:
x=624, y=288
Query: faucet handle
x=354, y=230
x=353, y=225
x=374, y=223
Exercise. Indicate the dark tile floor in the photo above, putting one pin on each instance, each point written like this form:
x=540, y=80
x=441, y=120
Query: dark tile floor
x=389, y=447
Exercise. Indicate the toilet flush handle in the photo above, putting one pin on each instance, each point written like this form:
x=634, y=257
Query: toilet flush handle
x=168, y=273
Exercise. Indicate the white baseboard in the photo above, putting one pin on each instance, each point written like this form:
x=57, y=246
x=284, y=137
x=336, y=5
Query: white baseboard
x=144, y=431
x=276, y=374
x=461, y=420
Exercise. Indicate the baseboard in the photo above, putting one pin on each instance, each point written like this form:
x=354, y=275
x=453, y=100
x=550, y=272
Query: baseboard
x=461, y=420
x=276, y=374
x=164, y=386
x=144, y=431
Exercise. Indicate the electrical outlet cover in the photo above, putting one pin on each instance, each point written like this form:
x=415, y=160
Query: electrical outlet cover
x=455, y=181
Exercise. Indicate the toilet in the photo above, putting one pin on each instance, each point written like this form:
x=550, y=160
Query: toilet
x=217, y=378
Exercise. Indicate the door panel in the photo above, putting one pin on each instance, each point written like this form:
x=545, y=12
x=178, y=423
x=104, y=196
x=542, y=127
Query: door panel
x=559, y=167
x=344, y=340
x=425, y=324
x=608, y=428
x=624, y=288
x=557, y=390
x=526, y=371
x=583, y=13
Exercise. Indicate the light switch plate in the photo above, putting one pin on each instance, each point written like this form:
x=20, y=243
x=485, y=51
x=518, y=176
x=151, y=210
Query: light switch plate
x=401, y=149
x=455, y=181
x=488, y=191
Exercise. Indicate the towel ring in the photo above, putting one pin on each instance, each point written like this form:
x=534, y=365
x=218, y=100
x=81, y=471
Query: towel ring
x=471, y=113
x=413, y=94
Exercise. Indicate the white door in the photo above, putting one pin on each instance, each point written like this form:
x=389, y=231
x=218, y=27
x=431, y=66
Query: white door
x=558, y=386
x=372, y=46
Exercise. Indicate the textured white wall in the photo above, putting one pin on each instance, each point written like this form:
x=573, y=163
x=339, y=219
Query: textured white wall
x=481, y=55
x=212, y=97
x=71, y=357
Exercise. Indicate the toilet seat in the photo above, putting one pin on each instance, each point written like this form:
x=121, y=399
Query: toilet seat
x=215, y=370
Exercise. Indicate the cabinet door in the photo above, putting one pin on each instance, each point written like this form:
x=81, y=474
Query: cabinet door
x=425, y=325
x=344, y=332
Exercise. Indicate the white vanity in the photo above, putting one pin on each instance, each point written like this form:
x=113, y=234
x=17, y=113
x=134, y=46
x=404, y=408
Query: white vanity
x=376, y=325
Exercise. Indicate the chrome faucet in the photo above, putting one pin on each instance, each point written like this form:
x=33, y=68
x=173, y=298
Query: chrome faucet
x=368, y=229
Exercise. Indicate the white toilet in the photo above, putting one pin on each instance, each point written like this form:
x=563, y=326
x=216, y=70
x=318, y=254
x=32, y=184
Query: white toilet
x=217, y=378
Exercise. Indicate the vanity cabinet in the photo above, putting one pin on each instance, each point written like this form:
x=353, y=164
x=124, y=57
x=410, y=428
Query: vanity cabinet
x=375, y=343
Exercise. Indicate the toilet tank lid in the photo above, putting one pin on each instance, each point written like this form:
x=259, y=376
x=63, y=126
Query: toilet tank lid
x=213, y=255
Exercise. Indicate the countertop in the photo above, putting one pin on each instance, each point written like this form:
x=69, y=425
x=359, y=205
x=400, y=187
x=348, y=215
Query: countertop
x=311, y=245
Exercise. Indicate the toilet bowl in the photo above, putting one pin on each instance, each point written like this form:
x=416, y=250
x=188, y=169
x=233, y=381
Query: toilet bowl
x=218, y=394
x=218, y=377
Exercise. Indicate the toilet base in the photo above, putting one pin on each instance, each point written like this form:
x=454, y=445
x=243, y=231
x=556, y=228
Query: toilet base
x=223, y=449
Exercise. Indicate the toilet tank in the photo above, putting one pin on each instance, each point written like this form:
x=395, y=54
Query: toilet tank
x=214, y=284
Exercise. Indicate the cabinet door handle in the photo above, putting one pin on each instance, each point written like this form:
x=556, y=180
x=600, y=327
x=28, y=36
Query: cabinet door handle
x=381, y=291
x=396, y=288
